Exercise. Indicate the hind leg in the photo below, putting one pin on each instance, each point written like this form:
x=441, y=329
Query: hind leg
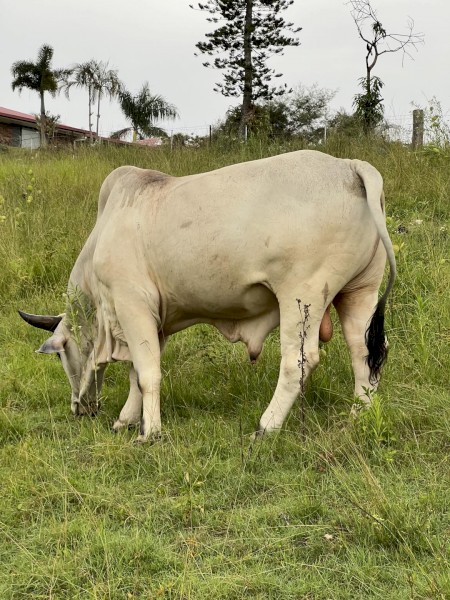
x=299, y=338
x=355, y=305
x=355, y=309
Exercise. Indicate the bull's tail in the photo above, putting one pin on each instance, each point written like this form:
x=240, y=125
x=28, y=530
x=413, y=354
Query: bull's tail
x=375, y=338
x=376, y=343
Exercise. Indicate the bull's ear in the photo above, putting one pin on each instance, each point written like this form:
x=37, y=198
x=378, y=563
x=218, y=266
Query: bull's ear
x=54, y=344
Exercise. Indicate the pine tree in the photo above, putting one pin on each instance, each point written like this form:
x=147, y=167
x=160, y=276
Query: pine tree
x=249, y=33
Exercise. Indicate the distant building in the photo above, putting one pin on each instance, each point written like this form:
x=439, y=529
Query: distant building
x=151, y=141
x=21, y=130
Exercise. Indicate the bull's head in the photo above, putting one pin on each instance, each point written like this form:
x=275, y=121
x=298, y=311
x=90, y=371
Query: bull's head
x=73, y=344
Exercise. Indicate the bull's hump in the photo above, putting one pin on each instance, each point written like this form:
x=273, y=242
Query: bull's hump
x=137, y=183
x=150, y=177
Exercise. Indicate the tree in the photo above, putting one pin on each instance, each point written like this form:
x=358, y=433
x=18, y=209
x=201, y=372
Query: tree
x=82, y=76
x=142, y=110
x=301, y=112
x=252, y=31
x=106, y=83
x=269, y=119
x=99, y=81
x=345, y=124
x=368, y=105
x=51, y=123
x=308, y=111
x=41, y=78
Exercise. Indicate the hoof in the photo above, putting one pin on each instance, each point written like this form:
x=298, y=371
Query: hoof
x=118, y=425
x=153, y=438
x=87, y=411
x=359, y=407
x=257, y=435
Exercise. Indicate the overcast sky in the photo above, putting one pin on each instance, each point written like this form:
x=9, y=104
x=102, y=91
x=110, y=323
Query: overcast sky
x=154, y=41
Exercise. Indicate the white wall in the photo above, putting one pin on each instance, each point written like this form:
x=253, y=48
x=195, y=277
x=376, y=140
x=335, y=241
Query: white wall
x=30, y=138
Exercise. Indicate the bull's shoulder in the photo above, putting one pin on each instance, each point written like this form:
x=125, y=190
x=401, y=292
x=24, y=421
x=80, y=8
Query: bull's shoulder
x=132, y=178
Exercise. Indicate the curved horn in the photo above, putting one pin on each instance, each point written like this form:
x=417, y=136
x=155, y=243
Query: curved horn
x=47, y=322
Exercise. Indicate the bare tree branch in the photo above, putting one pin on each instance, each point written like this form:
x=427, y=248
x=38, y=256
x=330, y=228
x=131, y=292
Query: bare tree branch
x=378, y=42
x=366, y=21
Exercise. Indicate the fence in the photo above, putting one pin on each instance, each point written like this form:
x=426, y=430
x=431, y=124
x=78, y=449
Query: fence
x=417, y=128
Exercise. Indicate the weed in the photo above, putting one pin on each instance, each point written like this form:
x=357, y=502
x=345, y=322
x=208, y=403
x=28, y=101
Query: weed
x=302, y=361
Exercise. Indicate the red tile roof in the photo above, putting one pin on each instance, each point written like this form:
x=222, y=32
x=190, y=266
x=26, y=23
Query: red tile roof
x=19, y=116
x=14, y=114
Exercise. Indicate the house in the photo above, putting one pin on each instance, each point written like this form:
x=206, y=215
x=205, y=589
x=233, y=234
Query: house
x=21, y=130
x=152, y=142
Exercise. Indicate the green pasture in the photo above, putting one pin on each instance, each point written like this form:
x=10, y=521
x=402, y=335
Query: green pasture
x=328, y=509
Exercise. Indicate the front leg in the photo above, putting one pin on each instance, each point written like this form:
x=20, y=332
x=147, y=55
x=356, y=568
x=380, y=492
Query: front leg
x=132, y=409
x=140, y=327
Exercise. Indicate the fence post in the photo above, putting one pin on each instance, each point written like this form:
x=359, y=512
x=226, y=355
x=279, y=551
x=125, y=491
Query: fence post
x=417, y=134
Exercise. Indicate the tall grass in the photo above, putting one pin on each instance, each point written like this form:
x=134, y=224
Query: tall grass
x=328, y=508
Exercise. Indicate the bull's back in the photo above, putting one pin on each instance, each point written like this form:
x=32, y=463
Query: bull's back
x=251, y=214
x=213, y=237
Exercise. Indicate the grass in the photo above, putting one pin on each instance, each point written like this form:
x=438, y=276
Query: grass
x=326, y=509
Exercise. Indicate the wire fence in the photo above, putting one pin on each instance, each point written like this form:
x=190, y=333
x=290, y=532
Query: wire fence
x=399, y=128
x=395, y=128
x=436, y=129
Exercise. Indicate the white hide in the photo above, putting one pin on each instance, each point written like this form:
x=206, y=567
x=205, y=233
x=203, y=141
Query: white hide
x=244, y=248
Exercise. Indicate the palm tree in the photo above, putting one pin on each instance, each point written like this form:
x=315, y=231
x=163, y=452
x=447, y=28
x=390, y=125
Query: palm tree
x=40, y=78
x=142, y=110
x=99, y=81
x=83, y=75
x=106, y=82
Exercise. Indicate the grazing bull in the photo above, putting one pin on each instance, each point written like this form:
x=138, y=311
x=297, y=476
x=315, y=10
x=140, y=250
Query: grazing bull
x=245, y=248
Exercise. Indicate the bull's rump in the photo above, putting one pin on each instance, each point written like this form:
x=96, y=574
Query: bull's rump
x=216, y=244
